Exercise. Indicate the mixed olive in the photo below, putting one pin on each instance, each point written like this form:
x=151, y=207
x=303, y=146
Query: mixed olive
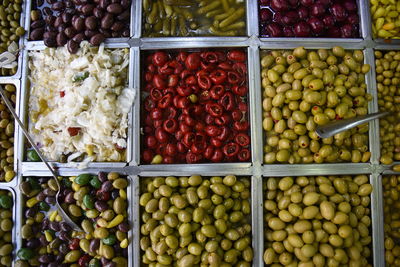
x=10, y=31
x=7, y=136
x=317, y=221
x=98, y=203
x=385, y=19
x=187, y=221
x=306, y=88
x=391, y=209
x=388, y=81
x=60, y=22
x=195, y=107
x=162, y=18
x=6, y=225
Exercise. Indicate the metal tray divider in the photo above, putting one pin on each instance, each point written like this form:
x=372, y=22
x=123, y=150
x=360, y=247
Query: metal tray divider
x=377, y=216
x=255, y=106
x=14, y=229
x=136, y=220
x=257, y=217
x=374, y=142
x=135, y=129
x=365, y=19
x=252, y=17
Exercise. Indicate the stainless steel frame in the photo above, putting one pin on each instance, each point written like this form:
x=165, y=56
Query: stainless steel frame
x=256, y=169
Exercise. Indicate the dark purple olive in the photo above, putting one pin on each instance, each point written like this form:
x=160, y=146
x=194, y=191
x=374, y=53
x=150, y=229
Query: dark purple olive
x=279, y=5
x=45, y=224
x=55, y=226
x=43, y=180
x=30, y=213
x=79, y=37
x=98, y=13
x=290, y=18
x=69, y=4
x=346, y=31
x=87, y=9
x=126, y=3
x=302, y=12
x=51, y=200
x=104, y=3
x=72, y=47
x=48, y=191
x=50, y=20
x=317, y=26
x=63, y=249
x=47, y=11
x=102, y=176
x=51, y=1
x=101, y=205
x=278, y=17
x=334, y=32
x=302, y=29
x=43, y=241
x=64, y=236
x=33, y=243
x=41, y=196
x=350, y=6
x=114, y=194
x=124, y=15
x=89, y=33
x=58, y=6
x=110, y=264
x=70, y=32
x=94, y=245
x=126, y=32
x=293, y=3
x=265, y=15
x=69, y=199
x=353, y=19
x=329, y=21
x=106, y=186
x=123, y=227
x=317, y=10
x=264, y=2
x=45, y=258
x=307, y=3
x=66, y=17
x=339, y=12
x=274, y=30
x=38, y=24
x=53, y=264
x=65, y=226
x=288, y=32
x=104, y=261
x=325, y=3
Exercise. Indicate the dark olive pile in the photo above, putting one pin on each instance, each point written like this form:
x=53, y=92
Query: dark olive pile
x=72, y=21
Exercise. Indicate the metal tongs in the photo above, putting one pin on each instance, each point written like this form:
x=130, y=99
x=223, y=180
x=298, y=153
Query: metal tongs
x=53, y=171
x=335, y=127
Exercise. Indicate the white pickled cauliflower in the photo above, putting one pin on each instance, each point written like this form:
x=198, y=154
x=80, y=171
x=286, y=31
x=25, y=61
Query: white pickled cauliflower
x=79, y=103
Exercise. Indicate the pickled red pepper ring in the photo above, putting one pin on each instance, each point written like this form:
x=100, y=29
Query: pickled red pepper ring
x=215, y=110
x=210, y=57
x=244, y=155
x=149, y=104
x=165, y=101
x=217, y=91
x=237, y=55
x=240, y=67
x=225, y=66
x=239, y=90
x=155, y=94
x=204, y=82
x=218, y=76
x=231, y=149
x=228, y=101
x=242, y=139
x=170, y=125
x=234, y=77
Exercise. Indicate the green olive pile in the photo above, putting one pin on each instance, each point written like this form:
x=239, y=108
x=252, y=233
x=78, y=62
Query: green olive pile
x=7, y=136
x=388, y=82
x=10, y=29
x=194, y=220
x=317, y=221
x=6, y=224
x=97, y=202
x=391, y=208
x=305, y=88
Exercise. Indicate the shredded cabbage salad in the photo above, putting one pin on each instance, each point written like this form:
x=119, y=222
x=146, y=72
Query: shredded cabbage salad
x=79, y=103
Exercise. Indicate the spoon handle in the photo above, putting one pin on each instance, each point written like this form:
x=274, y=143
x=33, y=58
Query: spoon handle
x=335, y=127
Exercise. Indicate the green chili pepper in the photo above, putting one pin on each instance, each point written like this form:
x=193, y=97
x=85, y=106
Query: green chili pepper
x=44, y=206
x=25, y=254
x=95, y=182
x=88, y=202
x=80, y=76
x=32, y=155
x=66, y=182
x=83, y=179
x=5, y=202
x=109, y=240
x=33, y=183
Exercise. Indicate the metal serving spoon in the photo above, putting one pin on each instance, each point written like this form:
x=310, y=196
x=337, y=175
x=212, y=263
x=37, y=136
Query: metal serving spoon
x=335, y=127
x=61, y=211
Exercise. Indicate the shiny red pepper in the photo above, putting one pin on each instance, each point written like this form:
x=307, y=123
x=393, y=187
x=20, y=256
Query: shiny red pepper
x=202, y=73
x=225, y=119
x=188, y=139
x=239, y=90
x=161, y=149
x=204, y=96
x=184, y=74
x=156, y=94
x=199, y=126
x=149, y=104
x=182, y=56
x=165, y=101
x=178, y=68
x=62, y=93
x=208, y=152
x=148, y=76
x=159, y=58
x=242, y=139
x=151, y=68
x=156, y=114
x=161, y=135
x=234, y=77
x=183, y=102
x=151, y=141
x=157, y=123
x=189, y=121
x=173, y=80
x=218, y=155
x=209, y=57
x=74, y=244
x=192, y=61
x=184, y=90
x=191, y=80
x=208, y=119
x=179, y=135
x=184, y=127
x=231, y=149
x=148, y=120
x=171, y=149
x=217, y=91
x=242, y=106
x=204, y=82
x=84, y=260
x=237, y=115
x=215, y=109
x=218, y=76
x=241, y=125
x=208, y=66
x=224, y=134
x=159, y=82
x=228, y=101
x=240, y=68
x=212, y=130
x=193, y=158
x=181, y=147
x=225, y=66
x=147, y=155
x=236, y=55
x=198, y=147
x=168, y=160
x=244, y=155
x=215, y=142
x=170, y=125
x=166, y=70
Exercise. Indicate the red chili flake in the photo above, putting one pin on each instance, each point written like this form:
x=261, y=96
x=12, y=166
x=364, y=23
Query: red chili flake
x=73, y=130
x=62, y=93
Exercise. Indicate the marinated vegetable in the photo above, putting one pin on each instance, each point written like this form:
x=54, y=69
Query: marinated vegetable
x=79, y=104
x=306, y=88
x=6, y=225
x=317, y=221
x=195, y=107
x=388, y=80
x=385, y=19
x=309, y=18
x=7, y=136
x=67, y=22
x=187, y=221
x=96, y=202
x=10, y=32
x=194, y=18
x=392, y=222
